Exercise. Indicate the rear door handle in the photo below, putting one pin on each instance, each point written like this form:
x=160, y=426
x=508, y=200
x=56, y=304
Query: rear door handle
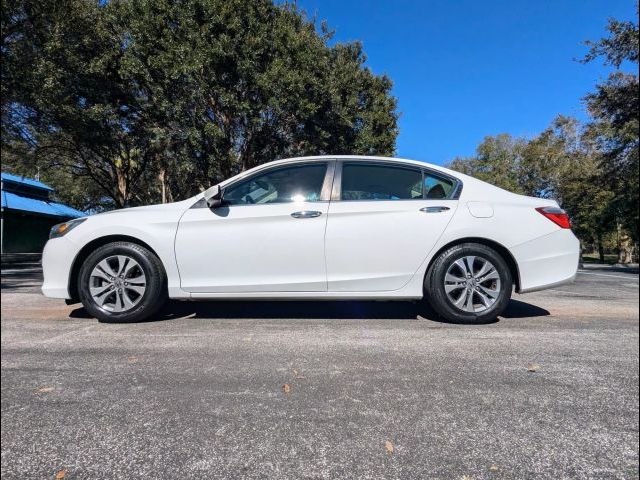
x=306, y=214
x=437, y=209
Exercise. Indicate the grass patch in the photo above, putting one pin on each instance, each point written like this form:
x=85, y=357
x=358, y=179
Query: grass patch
x=609, y=258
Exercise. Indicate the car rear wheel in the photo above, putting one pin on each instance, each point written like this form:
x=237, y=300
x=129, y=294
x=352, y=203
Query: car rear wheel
x=469, y=283
x=122, y=282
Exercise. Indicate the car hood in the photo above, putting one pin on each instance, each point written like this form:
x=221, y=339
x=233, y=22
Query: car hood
x=160, y=207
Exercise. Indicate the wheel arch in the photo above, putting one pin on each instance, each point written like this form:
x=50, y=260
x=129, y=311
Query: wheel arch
x=499, y=248
x=90, y=247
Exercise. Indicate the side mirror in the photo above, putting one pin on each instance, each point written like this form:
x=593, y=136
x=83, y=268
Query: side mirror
x=213, y=196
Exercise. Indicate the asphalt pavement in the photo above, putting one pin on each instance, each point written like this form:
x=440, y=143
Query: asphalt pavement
x=315, y=390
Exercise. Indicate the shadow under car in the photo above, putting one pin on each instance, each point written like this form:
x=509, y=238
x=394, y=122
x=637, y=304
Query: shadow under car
x=316, y=310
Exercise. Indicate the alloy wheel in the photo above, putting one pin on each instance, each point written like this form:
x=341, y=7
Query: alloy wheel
x=472, y=284
x=117, y=283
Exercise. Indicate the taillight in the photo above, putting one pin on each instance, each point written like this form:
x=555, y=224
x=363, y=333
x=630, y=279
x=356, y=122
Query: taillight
x=556, y=215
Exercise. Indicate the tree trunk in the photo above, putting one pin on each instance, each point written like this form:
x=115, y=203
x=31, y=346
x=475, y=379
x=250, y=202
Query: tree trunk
x=600, y=249
x=163, y=184
x=580, y=257
x=618, y=241
x=626, y=250
x=122, y=188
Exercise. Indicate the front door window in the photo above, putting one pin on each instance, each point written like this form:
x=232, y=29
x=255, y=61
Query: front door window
x=301, y=183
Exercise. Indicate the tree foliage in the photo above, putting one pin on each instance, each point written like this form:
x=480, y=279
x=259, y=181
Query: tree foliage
x=614, y=108
x=155, y=100
x=591, y=168
x=563, y=162
x=621, y=45
x=498, y=160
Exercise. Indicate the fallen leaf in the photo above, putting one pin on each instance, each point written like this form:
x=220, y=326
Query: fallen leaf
x=534, y=368
x=389, y=446
x=466, y=477
x=45, y=389
x=286, y=388
x=297, y=375
x=493, y=468
x=61, y=474
x=132, y=359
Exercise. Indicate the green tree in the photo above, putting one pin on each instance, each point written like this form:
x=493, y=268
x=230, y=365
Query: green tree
x=615, y=127
x=497, y=161
x=67, y=105
x=238, y=83
x=156, y=100
x=563, y=163
x=592, y=169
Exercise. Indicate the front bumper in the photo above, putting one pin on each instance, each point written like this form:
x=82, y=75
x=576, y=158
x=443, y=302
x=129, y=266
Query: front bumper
x=57, y=259
x=547, y=261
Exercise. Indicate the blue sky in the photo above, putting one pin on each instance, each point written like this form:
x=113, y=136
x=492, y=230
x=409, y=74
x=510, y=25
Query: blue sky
x=465, y=69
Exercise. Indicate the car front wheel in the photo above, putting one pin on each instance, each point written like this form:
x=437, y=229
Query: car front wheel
x=469, y=283
x=122, y=282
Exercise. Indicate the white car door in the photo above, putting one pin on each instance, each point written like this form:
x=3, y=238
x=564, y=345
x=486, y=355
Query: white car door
x=267, y=237
x=383, y=221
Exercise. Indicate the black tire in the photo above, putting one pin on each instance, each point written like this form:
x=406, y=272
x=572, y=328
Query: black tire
x=147, y=304
x=435, y=280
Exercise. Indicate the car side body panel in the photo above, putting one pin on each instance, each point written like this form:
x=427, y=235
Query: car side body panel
x=155, y=226
x=547, y=261
x=378, y=245
x=253, y=248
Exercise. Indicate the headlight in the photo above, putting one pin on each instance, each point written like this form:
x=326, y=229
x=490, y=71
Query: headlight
x=62, y=229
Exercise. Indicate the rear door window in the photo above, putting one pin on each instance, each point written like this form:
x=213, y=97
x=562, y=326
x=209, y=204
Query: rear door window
x=362, y=181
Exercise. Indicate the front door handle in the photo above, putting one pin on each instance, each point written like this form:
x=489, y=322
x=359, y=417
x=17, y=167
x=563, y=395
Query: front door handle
x=306, y=214
x=437, y=209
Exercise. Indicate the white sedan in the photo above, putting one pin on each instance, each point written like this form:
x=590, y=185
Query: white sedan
x=339, y=227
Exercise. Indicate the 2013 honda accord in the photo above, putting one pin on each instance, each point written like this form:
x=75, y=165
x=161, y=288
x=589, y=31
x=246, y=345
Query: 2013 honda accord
x=339, y=227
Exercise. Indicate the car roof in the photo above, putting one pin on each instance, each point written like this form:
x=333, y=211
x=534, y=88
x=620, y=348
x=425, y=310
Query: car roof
x=417, y=163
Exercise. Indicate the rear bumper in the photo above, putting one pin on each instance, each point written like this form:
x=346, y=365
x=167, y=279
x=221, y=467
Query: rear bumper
x=547, y=261
x=57, y=259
